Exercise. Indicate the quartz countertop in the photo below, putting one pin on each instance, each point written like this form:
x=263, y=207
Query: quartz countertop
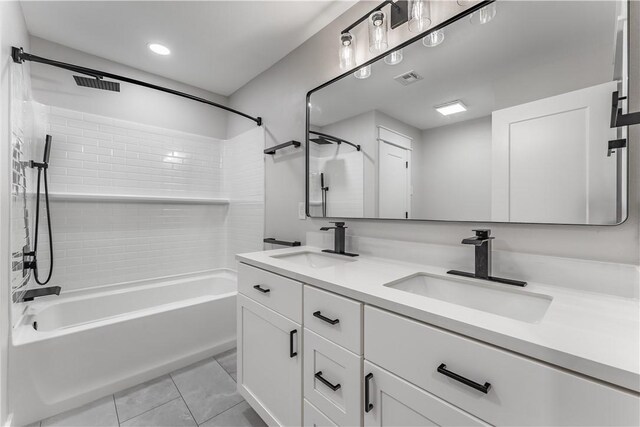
x=593, y=334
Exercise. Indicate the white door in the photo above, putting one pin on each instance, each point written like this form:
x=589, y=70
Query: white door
x=269, y=363
x=550, y=163
x=393, y=181
x=395, y=402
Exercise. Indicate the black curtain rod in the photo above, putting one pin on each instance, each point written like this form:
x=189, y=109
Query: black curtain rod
x=19, y=56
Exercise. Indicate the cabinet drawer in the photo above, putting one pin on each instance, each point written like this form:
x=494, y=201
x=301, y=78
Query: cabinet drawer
x=521, y=392
x=331, y=378
x=336, y=318
x=393, y=402
x=314, y=418
x=279, y=293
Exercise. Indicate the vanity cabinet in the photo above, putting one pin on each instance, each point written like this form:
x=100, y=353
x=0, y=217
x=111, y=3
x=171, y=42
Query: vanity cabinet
x=312, y=357
x=269, y=350
x=392, y=401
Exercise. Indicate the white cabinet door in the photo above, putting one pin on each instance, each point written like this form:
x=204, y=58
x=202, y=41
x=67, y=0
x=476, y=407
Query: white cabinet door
x=550, y=163
x=394, y=402
x=269, y=363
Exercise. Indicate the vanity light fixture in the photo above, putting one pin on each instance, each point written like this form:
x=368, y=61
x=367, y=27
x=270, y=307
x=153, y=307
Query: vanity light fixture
x=363, y=73
x=484, y=15
x=378, y=32
x=159, y=49
x=394, y=58
x=433, y=39
x=347, y=51
x=449, y=108
x=419, y=15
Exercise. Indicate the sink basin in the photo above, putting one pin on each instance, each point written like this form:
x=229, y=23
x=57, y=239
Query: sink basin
x=314, y=259
x=490, y=298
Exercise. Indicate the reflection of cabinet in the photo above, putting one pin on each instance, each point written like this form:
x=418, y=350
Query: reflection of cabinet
x=395, y=402
x=340, y=362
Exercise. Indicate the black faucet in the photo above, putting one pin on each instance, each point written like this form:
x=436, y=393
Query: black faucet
x=482, y=243
x=35, y=293
x=338, y=240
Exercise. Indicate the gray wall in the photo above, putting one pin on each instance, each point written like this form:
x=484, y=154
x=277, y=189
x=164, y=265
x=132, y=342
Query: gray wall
x=278, y=95
x=56, y=87
x=452, y=172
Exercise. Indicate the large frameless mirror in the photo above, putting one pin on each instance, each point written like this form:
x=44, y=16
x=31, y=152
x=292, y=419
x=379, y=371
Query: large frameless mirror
x=500, y=117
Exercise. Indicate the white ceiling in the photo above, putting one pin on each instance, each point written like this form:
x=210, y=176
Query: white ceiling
x=215, y=45
x=531, y=50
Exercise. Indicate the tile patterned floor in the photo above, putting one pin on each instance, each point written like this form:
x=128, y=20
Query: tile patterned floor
x=203, y=394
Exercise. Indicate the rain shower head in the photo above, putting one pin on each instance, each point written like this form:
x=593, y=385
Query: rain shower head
x=97, y=83
x=320, y=140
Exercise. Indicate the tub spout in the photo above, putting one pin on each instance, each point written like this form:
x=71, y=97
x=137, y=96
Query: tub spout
x=35, y=293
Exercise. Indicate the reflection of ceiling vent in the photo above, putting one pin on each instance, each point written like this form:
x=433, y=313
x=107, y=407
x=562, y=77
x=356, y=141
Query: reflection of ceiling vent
x=407, y=78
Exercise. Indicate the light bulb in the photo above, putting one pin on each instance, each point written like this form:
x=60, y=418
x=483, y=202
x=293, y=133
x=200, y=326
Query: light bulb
x=394, y=57
x=378, y=32
x=484, y=15
x=347, y=51
x=419, y=16
x=363, y=73
x=433, y=39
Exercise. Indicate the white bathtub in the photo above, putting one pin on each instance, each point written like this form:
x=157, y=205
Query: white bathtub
x=70, y=350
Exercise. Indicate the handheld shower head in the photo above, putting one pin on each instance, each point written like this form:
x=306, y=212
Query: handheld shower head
x=47, y=149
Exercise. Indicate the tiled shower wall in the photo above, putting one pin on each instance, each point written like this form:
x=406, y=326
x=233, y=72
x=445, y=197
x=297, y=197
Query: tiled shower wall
x=99, y=243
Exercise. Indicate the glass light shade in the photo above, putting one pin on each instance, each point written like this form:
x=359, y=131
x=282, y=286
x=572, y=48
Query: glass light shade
x=433, y=39
x=347, y=51
x=378, y=24
x=394, y=57
x=363, y=73
x=419, y=15
x=484, y=15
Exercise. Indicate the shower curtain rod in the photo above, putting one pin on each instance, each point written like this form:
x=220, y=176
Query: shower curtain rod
x=19, y=56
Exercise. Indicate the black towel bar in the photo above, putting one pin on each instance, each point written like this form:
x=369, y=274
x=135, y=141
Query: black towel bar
x=281, y=242
x=272, y=150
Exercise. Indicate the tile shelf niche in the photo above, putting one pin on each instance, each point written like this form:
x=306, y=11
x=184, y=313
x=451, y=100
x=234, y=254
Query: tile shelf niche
x=131, y=198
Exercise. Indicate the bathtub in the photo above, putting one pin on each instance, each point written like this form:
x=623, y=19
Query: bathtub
x=70, y=350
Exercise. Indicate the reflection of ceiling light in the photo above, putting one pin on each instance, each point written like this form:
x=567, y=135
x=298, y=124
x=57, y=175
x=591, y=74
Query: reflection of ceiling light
x=394, y=57
x=433, y=39
x=363, y=73
x=484, y=15
x=159, y=49
x=451, y=108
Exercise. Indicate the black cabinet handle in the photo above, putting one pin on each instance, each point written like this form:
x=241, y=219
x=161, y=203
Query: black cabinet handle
x=483, y=388
x=319, y=376
x=291, y=352
x=261, y=289
x=326, y=319
x=368, y=406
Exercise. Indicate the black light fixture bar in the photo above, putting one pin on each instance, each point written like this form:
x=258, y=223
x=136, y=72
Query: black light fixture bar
x=335, y=139
x=273, y=241
x=272, y=150
x=19, y=56
x=399, y=14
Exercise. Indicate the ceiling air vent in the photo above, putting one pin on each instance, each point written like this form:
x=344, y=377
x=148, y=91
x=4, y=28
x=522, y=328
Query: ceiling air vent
x=407, y=78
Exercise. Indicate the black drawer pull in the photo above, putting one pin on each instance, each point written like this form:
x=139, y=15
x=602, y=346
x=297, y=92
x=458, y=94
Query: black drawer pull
x=326, y=319
x=291, y=352
x=319, y=376
x=483, y=388
x=261, y=289
x=368, y=406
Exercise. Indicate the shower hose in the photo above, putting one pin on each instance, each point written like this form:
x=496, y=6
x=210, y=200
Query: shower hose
x=42, y=171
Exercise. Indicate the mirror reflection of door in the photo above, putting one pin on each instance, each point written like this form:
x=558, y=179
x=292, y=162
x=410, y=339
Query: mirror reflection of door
x=394, y=178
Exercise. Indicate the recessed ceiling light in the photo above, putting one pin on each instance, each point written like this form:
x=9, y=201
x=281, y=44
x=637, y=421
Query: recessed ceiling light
x=451, y=108
x=159, y=49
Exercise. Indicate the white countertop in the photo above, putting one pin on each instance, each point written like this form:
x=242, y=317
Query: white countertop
x=593, y=334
